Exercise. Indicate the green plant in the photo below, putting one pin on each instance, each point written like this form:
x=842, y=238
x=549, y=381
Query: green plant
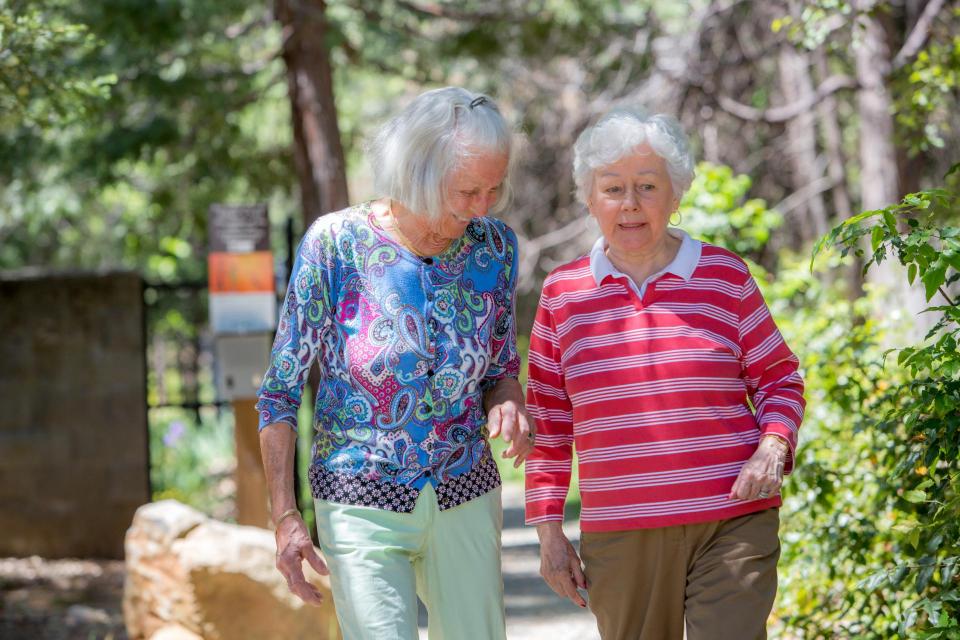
x=193, y=461
x=913, y=423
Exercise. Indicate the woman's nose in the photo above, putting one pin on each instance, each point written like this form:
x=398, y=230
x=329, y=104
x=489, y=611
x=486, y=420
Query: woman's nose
x=481, y=205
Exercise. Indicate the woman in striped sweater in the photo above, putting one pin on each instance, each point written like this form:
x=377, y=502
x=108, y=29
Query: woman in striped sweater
x=657, y=358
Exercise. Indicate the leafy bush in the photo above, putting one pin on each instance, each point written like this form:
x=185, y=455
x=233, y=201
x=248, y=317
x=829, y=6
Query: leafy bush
x=907, y=551
x=193, y=461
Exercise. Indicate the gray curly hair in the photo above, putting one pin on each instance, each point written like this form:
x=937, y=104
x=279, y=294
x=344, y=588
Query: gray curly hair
x=619, y=132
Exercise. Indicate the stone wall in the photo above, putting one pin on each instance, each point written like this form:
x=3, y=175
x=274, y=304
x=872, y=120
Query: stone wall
x=74, y=462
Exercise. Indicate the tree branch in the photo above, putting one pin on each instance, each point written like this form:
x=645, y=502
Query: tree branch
x=799, y=197
x=918, y=36
x=782, y=113
x=436, y=10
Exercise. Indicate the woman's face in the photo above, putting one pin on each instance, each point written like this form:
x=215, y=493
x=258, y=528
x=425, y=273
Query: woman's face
x=470, y=191
x=632, y=199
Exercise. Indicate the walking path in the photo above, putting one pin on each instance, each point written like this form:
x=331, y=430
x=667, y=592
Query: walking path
x=534, y=611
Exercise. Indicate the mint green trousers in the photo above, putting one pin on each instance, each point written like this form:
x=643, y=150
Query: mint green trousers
x=380, y=561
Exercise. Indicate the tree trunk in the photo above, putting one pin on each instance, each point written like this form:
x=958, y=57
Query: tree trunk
x=810, y=219
x=879, y=179
x=318, y=152
x=879, y=185
x=833, y=144
x=827, y=113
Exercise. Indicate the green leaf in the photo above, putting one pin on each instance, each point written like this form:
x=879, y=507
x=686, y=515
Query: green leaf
x=911, y=272
x=915, y=496
x=924, y=576
x=933, y=278
x=890, y=221
x=876, y=237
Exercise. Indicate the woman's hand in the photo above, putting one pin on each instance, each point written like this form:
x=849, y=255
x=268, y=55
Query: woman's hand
x=762, y=475
x=507, y=416
x=293, y=547
x=559, y=563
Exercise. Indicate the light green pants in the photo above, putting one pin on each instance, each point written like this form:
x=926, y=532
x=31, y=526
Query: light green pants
x=380, y=561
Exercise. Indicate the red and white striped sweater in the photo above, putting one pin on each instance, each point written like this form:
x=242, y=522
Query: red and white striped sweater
x=653, y=392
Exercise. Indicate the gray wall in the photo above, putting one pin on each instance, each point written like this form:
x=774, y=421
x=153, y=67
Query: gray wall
x=73, y=423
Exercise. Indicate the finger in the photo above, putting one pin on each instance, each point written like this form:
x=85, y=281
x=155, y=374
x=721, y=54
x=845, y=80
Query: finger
x=577, y=571
x=493, y=421
x=554, y=585
x=299, y=585
x=520, y=460
x=307, y=592
x=294, y=573
x=735, y=489
x=510, y=435
x=570, y=591
x=744, y=490
x=317, y=562
x=508, y=422
x=523, y=427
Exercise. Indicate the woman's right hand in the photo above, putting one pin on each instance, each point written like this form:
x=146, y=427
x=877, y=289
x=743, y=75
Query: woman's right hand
x=293, y=547
x=559, y=563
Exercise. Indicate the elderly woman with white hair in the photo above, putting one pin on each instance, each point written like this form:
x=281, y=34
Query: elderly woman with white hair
x=656, y=357
x=407, y=303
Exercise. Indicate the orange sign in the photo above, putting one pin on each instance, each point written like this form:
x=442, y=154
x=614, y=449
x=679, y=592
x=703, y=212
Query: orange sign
x=240, y=272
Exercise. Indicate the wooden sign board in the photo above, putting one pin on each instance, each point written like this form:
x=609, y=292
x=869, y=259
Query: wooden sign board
x=240, y=270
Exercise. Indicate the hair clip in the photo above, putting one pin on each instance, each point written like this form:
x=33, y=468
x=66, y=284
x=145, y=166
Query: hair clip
x=476, y=102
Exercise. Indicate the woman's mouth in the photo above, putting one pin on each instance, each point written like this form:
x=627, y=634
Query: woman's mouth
x=632, y=226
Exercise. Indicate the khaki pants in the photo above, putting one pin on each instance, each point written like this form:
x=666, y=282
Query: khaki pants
x=721, y=577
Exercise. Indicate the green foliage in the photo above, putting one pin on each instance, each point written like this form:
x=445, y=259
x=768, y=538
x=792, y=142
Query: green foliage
x=192, y=460
x=198, y=114
x=715, y=209
x=37, y=47
x=904, y=544
x=869, y=523
x=926, y=94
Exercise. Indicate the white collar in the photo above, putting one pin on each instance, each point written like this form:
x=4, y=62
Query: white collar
x=683, y=264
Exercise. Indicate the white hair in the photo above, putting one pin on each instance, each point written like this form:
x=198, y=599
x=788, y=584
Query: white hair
x=618, y=133
x=415, y=152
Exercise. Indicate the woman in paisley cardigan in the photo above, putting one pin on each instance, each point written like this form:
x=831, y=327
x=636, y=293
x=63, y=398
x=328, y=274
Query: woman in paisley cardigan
x=407, y=303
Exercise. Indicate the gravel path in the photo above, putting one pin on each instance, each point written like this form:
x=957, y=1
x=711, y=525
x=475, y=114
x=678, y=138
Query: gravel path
x=61, y=599
x=80, y=599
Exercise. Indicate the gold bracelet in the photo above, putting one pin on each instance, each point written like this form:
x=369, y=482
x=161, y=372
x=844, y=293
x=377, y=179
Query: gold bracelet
x=780, y=444
x=284, y=515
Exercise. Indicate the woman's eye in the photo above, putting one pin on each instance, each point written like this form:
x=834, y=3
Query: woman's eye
x=646, y=187
x=612, y=190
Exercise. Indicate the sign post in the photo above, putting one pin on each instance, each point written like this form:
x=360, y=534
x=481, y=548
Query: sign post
x=242, y=315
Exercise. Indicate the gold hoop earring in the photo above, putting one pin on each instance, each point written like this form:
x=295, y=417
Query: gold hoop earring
x=679, y=219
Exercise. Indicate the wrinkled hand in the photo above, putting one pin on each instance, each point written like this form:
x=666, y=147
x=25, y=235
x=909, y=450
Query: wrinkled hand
x=559, y=563
x=509, y=419
x=763, y=472
x=293, y=547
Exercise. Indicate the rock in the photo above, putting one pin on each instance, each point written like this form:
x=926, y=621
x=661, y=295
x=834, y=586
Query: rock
x=175, y=632
x=215, y=580
x=79, y=614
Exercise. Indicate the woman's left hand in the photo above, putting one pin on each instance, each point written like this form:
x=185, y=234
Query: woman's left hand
x=511, y=420
x=507, y=417
x=762, y=475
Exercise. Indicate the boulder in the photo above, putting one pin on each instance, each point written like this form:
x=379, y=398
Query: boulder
x=189, y=575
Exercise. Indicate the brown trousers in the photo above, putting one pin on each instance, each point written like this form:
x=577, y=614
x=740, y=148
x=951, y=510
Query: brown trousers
x=721, y=577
